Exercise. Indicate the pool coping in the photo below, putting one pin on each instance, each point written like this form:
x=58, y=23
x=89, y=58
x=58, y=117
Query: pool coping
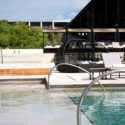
x=81, y=110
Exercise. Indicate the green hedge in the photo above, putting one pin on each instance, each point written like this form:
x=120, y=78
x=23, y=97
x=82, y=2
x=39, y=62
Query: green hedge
x=20, y=35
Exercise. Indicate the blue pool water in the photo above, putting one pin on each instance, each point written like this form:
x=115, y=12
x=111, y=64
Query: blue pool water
x=105, y=110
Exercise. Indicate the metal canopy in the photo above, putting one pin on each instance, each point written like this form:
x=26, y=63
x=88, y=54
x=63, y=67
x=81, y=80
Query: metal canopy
x=54, y=30
x=104, y=30
x=78, y=30
x=84, y=30
x=122, y=30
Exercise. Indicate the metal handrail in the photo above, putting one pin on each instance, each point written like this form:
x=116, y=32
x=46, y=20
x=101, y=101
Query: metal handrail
x=87, y=89
x=67, y=64
x=1, y=55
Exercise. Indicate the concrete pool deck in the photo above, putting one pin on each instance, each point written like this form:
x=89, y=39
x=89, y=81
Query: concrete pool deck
x=66, y=80
x=58, y=80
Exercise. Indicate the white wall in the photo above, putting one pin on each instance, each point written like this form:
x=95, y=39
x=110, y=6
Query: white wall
x=25, y=56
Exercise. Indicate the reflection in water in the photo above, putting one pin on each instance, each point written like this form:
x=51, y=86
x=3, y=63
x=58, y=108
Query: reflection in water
x=16, y=97
x=34, y=105
x=105, y=110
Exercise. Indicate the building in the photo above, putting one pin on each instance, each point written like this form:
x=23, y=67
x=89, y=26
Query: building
x=46, y=24
x=102, y=14
x=100, y=21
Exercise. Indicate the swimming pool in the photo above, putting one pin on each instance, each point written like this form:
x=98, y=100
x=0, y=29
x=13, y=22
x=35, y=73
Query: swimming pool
x=108, y=109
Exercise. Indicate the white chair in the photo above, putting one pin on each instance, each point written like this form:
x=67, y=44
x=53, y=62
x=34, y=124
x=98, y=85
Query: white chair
x=112, y=61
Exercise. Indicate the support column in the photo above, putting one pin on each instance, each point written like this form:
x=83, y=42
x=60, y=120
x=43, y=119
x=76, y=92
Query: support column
x=29, y=23
x=43, y=41
x=117, y=35
x=92, y=36
x=66, y=35
x=53, y=26
x=41, y=25
x=106, y=17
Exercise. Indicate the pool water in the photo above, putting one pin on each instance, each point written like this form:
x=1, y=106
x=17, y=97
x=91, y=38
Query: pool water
x=21, y=105
x=105, y=110
x=25, y=104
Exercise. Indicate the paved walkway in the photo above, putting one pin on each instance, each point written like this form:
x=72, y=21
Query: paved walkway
x=82, y=79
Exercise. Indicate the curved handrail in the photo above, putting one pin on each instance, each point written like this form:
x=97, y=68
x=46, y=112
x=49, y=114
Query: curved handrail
x=72, y=66
x=86, y=90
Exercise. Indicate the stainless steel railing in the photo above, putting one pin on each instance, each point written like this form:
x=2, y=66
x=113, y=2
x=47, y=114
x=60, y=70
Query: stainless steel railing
x=87, y=89
x=67, y=64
